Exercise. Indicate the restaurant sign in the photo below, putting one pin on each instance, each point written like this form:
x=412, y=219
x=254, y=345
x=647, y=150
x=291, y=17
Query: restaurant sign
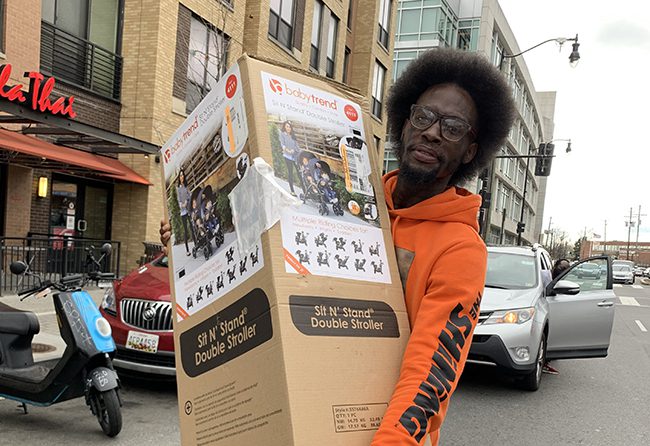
x=37, y=97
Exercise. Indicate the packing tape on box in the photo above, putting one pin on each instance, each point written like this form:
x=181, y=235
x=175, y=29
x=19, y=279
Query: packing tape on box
x=257, y=202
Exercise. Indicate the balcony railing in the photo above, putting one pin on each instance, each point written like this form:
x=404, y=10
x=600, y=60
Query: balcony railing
x=80, y=62
x=51, y=257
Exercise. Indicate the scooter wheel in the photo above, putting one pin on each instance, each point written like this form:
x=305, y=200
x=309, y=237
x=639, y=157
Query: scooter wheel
x=107, y=410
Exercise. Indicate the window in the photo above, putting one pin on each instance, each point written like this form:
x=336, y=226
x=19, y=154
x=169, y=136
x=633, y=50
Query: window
x=521, y=174
x=315, y=34
x=206, y=63
x=80, y=43
x=281, y=21
x=351, y=7
x=427, y=24
x=378, y=89
x=332, y=32
x=2, y=26
x=384, y=22
x=390, y=160
x=468, y=34
x=346, y=65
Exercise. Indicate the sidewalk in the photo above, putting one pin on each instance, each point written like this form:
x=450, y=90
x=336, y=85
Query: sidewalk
x=48, y=342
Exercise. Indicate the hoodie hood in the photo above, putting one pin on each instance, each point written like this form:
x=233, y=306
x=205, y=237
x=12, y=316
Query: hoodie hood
x=453, y=205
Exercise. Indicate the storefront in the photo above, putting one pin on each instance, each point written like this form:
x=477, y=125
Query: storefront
x=58, y=175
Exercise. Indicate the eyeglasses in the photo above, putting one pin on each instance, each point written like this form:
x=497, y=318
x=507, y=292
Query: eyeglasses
x=451, y=128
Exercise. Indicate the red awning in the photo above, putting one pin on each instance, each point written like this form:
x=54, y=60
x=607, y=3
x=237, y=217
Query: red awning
x=126, y=173
x=65, y=156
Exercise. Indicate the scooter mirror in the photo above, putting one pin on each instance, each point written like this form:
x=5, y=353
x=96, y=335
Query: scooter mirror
x=106, y=249
x=18, y=268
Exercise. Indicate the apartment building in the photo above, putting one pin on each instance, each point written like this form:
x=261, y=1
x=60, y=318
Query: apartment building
x=482, y=27
x=132, y=72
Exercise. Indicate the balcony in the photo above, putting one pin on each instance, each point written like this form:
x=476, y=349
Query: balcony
x=79, y=62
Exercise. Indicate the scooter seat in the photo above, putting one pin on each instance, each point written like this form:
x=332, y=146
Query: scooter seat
x=21, y=323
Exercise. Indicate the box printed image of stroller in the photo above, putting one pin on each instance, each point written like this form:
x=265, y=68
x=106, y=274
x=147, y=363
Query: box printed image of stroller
x=316, y=177
x=205, y=222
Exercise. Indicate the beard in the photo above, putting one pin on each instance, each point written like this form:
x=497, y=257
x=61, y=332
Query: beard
x=413, y=175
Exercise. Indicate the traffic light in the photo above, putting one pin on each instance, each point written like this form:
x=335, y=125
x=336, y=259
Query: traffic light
x=543, y=165
x=521, y=226
x=486, y=198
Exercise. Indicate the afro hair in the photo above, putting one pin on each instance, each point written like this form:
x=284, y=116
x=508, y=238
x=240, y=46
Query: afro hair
x=473, y=73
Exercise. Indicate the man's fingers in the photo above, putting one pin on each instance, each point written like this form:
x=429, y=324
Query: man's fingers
x=165, y=232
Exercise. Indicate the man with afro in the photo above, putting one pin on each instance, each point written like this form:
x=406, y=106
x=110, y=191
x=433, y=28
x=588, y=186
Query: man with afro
x=448, y=115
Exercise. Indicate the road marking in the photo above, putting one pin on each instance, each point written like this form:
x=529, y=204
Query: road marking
x=641, y=327
x=628, y=300
x=638, y=287
x=640, y=306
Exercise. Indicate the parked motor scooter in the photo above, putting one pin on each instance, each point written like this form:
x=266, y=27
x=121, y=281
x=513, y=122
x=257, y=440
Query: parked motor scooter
x=86, y=367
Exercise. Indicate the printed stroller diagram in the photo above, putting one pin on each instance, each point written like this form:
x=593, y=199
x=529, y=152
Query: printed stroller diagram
x=318, y=187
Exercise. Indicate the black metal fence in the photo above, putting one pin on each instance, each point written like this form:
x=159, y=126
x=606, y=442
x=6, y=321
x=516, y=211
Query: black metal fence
x=52, y=257
x=80, y=62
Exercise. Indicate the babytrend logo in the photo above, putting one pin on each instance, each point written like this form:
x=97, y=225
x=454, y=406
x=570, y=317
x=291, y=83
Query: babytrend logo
x=276, y=86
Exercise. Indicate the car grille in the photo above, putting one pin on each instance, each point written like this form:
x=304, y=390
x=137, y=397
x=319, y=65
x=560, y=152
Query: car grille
x=480, y=338
x=161, y=360
x=484, y=316
x=133, y=314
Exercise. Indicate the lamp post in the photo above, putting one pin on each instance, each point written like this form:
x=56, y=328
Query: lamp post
x=574, y=57
x=488, y=175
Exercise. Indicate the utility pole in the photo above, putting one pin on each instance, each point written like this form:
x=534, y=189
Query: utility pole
x=638, y=225
x=629, y=223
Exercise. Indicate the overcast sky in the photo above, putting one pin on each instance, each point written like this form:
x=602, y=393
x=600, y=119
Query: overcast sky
x=603, y=106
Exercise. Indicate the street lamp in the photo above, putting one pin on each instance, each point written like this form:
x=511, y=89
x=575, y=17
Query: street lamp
x=487, y=175
x=574, y=57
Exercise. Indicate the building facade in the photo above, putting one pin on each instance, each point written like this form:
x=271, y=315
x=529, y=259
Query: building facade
x=482, y=27
x=136, y=70
x=638, y=252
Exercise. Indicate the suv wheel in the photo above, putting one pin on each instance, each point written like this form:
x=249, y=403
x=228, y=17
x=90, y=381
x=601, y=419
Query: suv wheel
x=532, y=380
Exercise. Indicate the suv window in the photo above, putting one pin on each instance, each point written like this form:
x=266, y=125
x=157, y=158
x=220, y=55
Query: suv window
x=589, y=282
x=510, y=271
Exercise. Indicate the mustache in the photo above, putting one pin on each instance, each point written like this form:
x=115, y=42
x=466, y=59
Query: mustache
x=429, y=148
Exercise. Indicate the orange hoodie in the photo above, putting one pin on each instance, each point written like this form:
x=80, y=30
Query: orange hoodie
x=442, y=262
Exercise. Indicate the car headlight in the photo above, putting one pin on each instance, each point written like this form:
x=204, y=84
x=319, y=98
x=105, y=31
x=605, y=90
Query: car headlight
x=109, y=303
x=519, y=316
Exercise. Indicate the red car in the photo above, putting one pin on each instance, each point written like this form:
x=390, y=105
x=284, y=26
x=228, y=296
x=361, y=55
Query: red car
x=139, y=310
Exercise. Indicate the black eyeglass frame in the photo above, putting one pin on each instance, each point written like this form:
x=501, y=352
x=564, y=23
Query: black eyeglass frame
x=438, y=117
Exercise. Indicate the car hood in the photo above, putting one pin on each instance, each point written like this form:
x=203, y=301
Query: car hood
x=148, y=282
x=498, y=299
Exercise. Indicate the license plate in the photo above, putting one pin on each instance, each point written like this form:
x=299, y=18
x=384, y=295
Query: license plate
x=104, y=284
x=143, y=342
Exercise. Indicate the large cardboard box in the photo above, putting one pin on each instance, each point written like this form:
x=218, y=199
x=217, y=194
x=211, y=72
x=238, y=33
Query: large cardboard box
x=289, y=320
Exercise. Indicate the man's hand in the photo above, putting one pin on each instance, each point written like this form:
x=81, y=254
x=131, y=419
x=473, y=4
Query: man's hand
x=165, y=234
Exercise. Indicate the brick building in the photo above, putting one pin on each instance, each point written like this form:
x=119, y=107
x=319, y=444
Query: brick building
x=136, y=69
x=638, y=252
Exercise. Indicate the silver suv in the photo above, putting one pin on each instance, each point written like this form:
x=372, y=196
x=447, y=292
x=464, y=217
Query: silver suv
x=527, y=317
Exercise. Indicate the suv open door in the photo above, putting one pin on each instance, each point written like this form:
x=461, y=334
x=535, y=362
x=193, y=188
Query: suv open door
x=581, y=312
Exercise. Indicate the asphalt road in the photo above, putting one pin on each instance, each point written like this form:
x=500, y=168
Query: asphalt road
x=591, y=402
